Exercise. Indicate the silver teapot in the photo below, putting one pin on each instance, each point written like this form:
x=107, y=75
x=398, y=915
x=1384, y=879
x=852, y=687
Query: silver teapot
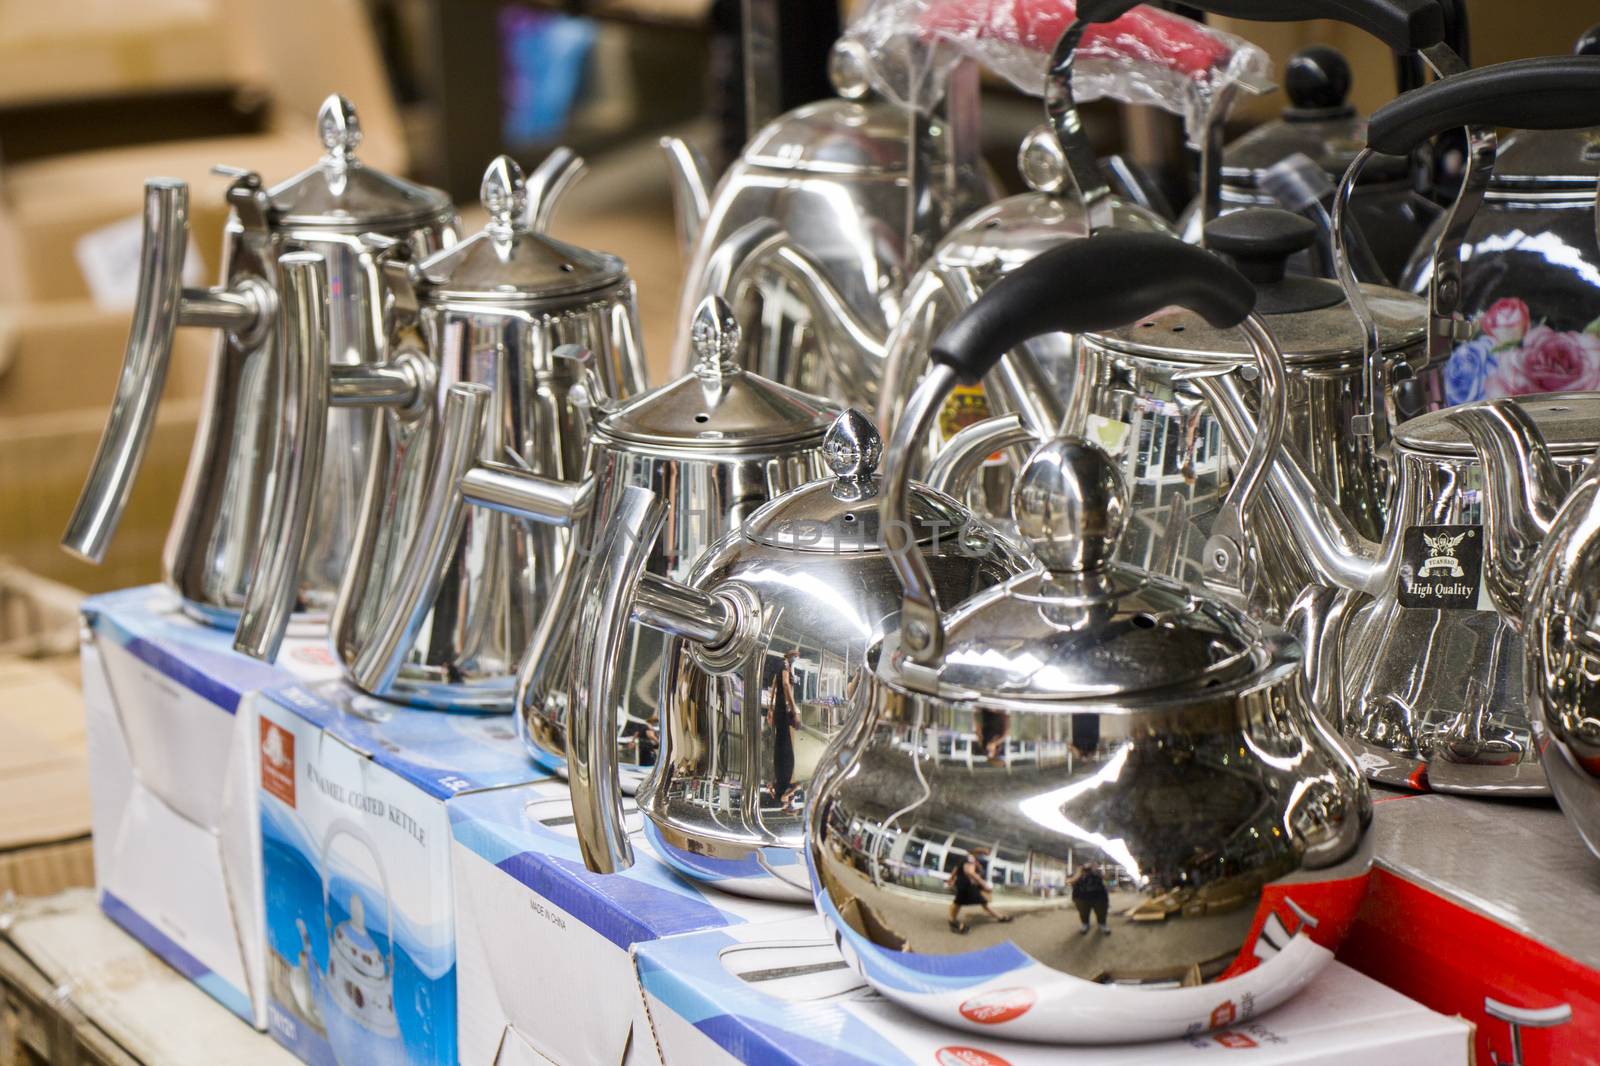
x=864, y=188
x=1530, y=284
x=769, y=633
x=1086, y=805
x=717, y=443
x=267, y=333
x=503, y=308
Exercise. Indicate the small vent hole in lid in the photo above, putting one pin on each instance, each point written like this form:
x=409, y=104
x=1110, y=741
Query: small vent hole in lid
x=1144, y=621
x=849, y=516
x=702, y=418
x=567, y=268
x=1177, y=329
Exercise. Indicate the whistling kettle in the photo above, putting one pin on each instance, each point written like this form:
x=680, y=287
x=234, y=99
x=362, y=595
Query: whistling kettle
x=495, y=308
x=1162, y=742
x=355, y=998
x=1295, y=162
x=864, y=188
x=770, y=629
x=717, y=443
x=1531, y=290
x=276, y=314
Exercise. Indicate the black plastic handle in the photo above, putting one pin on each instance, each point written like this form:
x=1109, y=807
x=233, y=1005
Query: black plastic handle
x=1092, y=284
x=1403, y=25
x=1550, y=93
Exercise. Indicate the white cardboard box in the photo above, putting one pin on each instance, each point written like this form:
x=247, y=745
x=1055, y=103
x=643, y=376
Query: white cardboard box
x=542, y=943
x=781, y=994
x=357, y=796
x=171, y=735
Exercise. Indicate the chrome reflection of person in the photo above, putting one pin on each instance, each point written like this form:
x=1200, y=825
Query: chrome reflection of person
x=972, y=890
x=1090, y=896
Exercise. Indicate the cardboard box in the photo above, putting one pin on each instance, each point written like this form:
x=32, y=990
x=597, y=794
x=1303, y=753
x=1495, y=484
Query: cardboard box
x=781, y=994
x=44, y=783
x=171, y=721
x=1490, y=911
x=542, y=962
x=357, y=797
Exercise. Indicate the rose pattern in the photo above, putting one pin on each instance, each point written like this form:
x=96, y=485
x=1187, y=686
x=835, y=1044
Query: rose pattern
x=1513, y=356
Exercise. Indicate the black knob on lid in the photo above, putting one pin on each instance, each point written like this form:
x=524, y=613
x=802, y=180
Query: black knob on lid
x=1259, y=242
x=1589, y=43
x=1317, y=80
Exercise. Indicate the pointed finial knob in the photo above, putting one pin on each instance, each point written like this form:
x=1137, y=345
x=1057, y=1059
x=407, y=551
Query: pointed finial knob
x=339, y=127
x=852, y=446
x=504, y=194
x=716, y=338
x=1070, y=505
x=1041, y=161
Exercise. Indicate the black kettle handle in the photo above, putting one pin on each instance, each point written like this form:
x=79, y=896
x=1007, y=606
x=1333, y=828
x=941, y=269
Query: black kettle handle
x=1403, y=25
x=1089, y=285
x=1548, y=93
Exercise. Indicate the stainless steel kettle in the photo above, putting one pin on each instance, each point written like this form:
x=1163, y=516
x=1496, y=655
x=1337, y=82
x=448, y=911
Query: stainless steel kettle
x=864, y=188
x=265, y=335
x=770, y=631
x=1157, y=775
x=717, y=443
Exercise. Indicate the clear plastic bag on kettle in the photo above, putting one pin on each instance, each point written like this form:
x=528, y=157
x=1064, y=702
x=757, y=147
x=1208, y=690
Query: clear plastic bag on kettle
x=1147, y=56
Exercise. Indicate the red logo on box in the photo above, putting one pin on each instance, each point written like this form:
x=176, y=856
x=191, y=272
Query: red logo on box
x=967, y=1056
x=1223, y=1014
x=277, y=761
x=1236, y=1040
x=1000, y=1005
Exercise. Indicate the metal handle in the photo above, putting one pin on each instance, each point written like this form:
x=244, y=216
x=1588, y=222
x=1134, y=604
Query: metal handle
x=921, y=627
x=144, y=372
x=965, y=452
x=343, y=827
x=604, y=612
x=298, y=443
x=400, y=615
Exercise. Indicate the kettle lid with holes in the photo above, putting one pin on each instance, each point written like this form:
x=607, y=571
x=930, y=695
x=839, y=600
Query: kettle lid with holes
x=509, y=261
x=1569, y=422
x=838, y=515
x=343, y=193
x=1082, y=627
x=718, y=405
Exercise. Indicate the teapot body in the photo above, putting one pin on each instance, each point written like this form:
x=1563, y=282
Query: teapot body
x=1226, y=832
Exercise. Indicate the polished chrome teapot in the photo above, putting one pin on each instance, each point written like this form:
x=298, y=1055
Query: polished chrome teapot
x=770, y=631
x=265, y=335
x=717, y=443
x=1530, y=290
x=1084, y=741
x=863, y=188
x=501, y=308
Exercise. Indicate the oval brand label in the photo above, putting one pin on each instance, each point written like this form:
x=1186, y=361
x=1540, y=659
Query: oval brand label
x=967, y=1056
x=999, y=1005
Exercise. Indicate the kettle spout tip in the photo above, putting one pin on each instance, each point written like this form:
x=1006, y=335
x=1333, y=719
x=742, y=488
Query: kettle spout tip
x=691, y=189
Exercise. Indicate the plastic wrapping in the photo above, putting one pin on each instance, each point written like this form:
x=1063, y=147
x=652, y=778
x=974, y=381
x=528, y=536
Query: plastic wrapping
x=1147, y=56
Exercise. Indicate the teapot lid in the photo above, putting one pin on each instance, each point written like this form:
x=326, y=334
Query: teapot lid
x=1310, y=318
x=846, y=135
x=1569, y=422
x=1083, y=627
x=356, y=945
x=718, y=405
x=839, y=515
x=508, y=260
x=342, y=192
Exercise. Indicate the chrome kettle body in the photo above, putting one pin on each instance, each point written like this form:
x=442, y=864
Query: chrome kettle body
x=211, y=553
x=768, y=637
x=508, y=308
x=1086, y=805
x=863, y=188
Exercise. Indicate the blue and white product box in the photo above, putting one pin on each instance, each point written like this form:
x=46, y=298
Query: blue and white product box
x=781, y=994
x=356, y=795
x=171, y=719
x=542, y=943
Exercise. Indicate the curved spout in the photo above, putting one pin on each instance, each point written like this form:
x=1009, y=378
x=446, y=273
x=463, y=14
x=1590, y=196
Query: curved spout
x=1522, y=491
x=1338, y=553
x=841, y=330
x=691, y=190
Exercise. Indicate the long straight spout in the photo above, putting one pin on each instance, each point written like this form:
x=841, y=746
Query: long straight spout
x=1338, y=553
x=690, y=176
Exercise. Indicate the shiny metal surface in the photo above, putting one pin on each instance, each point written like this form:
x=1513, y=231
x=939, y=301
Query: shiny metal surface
x=212, y=547
x=1226, y=830
x=498, y=310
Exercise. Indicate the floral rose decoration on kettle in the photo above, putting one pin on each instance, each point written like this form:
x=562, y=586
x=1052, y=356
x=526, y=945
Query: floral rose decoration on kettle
x=1513, y=357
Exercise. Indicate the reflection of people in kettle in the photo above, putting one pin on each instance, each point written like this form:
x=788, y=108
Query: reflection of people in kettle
x=972, y=890
x=994, y=727
x=783, y=714
x=1090, y=896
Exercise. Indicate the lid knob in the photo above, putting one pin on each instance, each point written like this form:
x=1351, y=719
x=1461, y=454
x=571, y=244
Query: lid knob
x=504, y=194
x=1041, y=161
x=1589, y=43
x=847, y=69
x=716, y=338
x=1070, y=505
x=1317, y=79
x=339, y=128
x=1259, y=241
x=852, y=446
